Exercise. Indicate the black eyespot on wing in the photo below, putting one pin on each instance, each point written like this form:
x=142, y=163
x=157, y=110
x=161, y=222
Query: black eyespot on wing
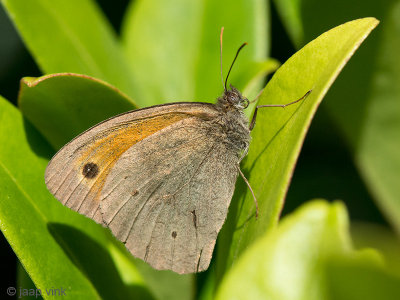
x=90, y=170
x=174, y=234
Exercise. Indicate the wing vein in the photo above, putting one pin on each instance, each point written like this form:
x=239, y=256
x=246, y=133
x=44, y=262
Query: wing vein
x=144, y=204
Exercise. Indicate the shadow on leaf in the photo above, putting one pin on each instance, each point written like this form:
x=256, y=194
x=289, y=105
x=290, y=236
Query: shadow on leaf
x=36, y=141
x=95, y=263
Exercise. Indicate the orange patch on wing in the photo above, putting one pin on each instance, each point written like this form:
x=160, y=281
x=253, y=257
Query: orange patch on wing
x=106, y=147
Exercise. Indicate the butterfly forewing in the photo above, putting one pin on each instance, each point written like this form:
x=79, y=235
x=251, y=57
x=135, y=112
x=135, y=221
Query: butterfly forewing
x=156, y=178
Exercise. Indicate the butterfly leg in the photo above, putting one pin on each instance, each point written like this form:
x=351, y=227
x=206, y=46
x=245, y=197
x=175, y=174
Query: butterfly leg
x=253, y=119
x=249, y=186
x=246, y=150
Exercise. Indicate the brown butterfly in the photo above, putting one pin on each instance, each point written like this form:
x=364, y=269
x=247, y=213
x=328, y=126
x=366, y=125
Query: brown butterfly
x=160, y=178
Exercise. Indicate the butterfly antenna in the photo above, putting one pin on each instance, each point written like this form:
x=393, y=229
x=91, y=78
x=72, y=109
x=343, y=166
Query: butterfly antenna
x=220, y=56
x=237, y=53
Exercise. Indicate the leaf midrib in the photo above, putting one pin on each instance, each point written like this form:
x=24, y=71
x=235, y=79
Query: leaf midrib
x=30, y=200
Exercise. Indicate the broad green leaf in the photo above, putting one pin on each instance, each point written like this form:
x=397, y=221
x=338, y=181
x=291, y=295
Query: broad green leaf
x=288, y=262
x=358, y=278
x=381, y=238
x=307, y=257
x=367, y=111
x=279, y=134
x=24, y=281
x=173, y=46
x=57, y=247
x=71, y=36
x=61, y=106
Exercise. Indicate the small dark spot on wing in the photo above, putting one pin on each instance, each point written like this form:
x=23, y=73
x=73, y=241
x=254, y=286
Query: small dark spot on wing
x=174, y=234
x=147, y=253
x=90, y=170
x=194, y=218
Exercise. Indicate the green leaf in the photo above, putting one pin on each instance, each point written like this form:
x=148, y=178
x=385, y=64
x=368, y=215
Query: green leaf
x=287, y=263
x=358, y=278
x=307, y=257
x=24, y=281
x=173, y=46
x=54, y=244
x=61, y=106
x=368, y=110
x=71, y=36
x=249, y=78
x=279, y=134
x=381, y=238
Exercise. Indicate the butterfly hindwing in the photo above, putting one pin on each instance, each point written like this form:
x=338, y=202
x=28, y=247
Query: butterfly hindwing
x=168, y=196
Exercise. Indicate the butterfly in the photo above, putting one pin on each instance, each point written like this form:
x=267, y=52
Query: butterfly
x=160, y=178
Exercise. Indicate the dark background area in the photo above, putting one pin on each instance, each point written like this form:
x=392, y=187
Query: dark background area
x=324, y=170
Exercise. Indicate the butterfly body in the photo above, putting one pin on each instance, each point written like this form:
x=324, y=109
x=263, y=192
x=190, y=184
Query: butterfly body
x=160, y=178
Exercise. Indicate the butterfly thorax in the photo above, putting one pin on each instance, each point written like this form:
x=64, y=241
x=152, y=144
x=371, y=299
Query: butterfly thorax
x=235, y=124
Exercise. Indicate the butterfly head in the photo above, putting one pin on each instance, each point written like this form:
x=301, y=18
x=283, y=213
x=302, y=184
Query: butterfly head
x=232, y=99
